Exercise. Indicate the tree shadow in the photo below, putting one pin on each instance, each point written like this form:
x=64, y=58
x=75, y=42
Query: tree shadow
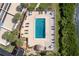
x=19, y=8
x=13, y=44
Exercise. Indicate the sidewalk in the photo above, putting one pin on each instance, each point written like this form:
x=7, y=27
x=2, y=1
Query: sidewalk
x=37, y=6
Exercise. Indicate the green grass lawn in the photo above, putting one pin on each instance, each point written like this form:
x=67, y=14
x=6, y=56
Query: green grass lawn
x=44, y=6
x=7, y=48
x=57, y=26
x=32, y=6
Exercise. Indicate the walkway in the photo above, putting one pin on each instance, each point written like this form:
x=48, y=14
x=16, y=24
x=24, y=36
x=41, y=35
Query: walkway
x=77, y=22
x=37, y=6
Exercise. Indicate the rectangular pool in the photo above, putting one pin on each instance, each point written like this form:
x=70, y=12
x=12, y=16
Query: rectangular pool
x=40, y=28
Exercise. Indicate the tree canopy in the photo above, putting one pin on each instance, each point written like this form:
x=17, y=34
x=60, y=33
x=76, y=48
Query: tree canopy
x=19, y=42
x=24, y=5
x=17, y=17
x=9, y=36
x=12, y=37
x=68, y=32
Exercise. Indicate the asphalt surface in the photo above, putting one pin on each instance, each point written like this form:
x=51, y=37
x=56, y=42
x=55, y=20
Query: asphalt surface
x=77, y=22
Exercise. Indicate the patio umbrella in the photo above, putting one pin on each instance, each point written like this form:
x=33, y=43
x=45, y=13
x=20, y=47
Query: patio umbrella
x=39, y=47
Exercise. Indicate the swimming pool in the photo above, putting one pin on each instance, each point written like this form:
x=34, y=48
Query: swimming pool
x=40, y=28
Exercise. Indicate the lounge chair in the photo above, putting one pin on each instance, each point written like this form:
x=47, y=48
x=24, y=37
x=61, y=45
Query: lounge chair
x=53, y=29
x=22, y=34
x=53, y=18
x=52, y=44
x=51, y=14
x=26, y=30
x=49, y=46
x=26, y=33
x=53, y=39
x=30, y=13
x=52, y=26
x=45, y=12
x=52, y=34
x=27, y=23
x=26, y=26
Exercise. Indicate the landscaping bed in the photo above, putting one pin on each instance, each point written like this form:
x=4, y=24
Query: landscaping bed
x=32, y=6
x=44, y=6
x=7, y=48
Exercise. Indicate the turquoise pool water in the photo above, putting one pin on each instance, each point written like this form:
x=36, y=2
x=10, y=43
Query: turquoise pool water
x=40, y=28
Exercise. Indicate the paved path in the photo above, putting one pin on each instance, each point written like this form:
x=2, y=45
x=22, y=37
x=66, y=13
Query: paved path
x=37, y=6
x=77, y=22
x=77, y=18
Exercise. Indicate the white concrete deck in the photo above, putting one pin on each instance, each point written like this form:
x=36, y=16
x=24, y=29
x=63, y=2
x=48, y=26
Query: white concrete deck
x=8, y=25
x=8, y=22
x=2, y=41
x=13, y=7
x=31, y=29
x=0, y=5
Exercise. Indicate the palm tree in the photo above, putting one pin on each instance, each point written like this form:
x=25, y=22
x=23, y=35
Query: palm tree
x=10, y=37
x=17, y=17
x=19, y=42
x=24, y=5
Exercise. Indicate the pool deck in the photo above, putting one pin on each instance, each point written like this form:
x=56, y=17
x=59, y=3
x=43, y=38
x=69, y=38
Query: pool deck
x=46, y=42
